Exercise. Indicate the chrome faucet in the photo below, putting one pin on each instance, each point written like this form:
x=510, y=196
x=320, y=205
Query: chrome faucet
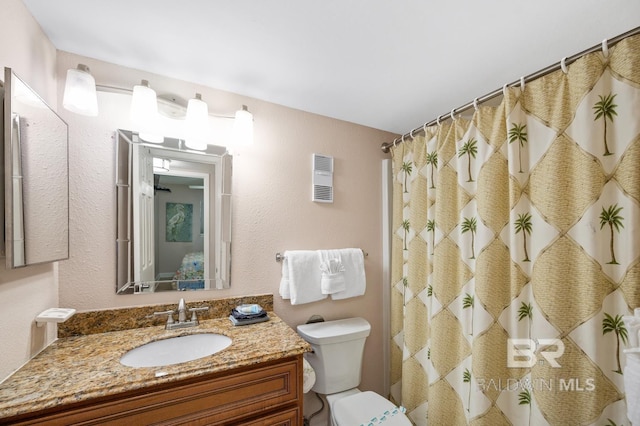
x=182, y=311
x=182, y=316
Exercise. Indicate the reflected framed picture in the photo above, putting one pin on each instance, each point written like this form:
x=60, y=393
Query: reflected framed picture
x=179, y=222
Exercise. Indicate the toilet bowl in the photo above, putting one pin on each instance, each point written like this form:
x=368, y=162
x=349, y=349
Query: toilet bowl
x=338, y=349
x=364, y=408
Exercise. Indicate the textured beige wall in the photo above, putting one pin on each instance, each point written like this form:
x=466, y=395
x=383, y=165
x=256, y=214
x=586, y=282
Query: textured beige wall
x=272, y=207
x=26, y=292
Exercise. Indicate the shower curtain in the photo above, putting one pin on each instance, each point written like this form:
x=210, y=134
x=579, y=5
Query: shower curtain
x=516, y=251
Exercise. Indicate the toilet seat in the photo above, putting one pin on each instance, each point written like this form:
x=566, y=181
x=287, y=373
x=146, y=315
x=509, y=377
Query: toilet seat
x=363, y=407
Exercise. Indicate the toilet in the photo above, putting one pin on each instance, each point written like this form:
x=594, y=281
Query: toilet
x=338, y=348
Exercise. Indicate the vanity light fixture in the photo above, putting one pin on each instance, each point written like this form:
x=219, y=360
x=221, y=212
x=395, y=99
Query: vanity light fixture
x=243, y=127
x=80, y=92
x=80, y=97
x=197, y=122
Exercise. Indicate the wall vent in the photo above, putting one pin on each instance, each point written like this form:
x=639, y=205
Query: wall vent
x=322, y=178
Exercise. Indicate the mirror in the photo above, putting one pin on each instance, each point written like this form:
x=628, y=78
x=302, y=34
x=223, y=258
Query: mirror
x=36, y=178
x=173, y=216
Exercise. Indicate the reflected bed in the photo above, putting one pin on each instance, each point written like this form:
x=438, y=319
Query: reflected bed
x=190, y=274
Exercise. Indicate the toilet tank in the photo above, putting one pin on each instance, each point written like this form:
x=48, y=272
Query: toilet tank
x=338, y=347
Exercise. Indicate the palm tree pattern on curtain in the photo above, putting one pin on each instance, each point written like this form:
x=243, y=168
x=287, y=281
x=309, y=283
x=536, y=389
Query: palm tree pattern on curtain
x=469, y=225
x=605, y=109
x=518, y=132
x=615, y=324
x=470, y=150
x=523, y=225
x=515, y=253
x=611, y=217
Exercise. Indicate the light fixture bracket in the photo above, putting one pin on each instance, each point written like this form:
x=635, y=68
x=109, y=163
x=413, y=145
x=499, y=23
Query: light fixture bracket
x=172, y=106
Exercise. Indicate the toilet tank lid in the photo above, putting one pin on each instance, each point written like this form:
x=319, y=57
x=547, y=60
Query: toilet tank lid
x=335, y=331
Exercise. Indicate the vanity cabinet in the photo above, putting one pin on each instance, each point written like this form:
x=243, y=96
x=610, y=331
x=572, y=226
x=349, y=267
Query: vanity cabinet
x=269, y=393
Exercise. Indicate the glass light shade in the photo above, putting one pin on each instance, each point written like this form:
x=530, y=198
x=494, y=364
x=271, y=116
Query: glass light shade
x=80, y=92
x=197, y=123
x=144, y=112
x=144, y=104
x=243, y=127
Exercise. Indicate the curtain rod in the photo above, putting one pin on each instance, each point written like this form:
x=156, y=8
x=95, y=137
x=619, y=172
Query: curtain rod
x=604, y=46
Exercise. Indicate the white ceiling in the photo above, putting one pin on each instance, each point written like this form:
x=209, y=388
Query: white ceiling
x=388, y=64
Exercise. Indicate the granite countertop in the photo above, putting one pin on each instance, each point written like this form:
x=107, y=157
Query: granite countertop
x=80, y=368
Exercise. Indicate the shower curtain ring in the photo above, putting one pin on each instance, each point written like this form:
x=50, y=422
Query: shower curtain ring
x=453, y=118
x=605, y=48
x=438, y=120
x=563, y=65
x=424, y=127
x=504, y=90
x=475, y=104
x=522, y=83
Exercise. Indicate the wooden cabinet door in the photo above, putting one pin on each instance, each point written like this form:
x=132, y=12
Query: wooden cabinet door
x=268, y=394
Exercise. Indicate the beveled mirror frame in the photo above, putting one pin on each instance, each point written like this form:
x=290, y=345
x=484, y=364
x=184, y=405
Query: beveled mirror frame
x=219, y=274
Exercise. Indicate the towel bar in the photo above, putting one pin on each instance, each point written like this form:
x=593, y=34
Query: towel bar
x=280, y=256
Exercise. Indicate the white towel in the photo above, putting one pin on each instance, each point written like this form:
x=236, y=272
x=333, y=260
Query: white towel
x=285, y=289
x=332, y=279
x=354, y=276
x=632, y=384
x=301, y=277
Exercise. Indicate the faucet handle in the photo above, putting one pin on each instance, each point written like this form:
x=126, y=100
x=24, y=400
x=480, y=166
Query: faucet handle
x=169, y=315
x=193, y=311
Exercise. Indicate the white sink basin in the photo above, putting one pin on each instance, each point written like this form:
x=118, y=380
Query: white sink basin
x=175, y=350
